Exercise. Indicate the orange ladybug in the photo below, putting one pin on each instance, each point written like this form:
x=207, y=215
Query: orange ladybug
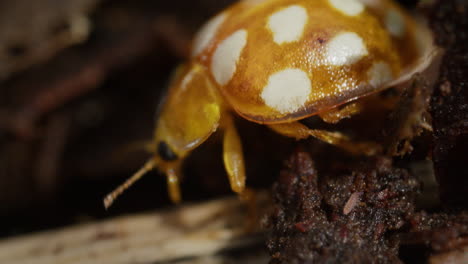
x=275, y=62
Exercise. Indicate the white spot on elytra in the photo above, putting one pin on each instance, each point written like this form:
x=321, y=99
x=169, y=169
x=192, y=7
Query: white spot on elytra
x=226, y=56
x=344, y=49
x=348, y=7
x=287, y=90
x=287, y=25
x=379, y=74
x=395, y=23
x=206, y=34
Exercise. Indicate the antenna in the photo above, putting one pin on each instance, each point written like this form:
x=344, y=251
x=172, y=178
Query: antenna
x=110, y=198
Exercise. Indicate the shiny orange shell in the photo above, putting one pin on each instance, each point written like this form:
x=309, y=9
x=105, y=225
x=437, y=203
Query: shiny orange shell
x=282, y=60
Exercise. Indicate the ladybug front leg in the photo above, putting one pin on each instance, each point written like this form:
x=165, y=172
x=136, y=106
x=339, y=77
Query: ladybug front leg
x=235, y=167
x=172, y=171
x=300, y=131
x=233, y=156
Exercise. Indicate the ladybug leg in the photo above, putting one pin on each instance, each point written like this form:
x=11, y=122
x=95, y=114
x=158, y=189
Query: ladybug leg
x=173, y=181
x=232, y=156
x=300, y=131
x=334, y=115
x=235, y=168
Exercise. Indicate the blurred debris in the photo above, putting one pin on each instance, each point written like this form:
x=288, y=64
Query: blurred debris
x=78, y=73
x=51, y=152
x=33, y=31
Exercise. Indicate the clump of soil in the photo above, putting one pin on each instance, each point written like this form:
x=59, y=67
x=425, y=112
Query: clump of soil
x=340, y=218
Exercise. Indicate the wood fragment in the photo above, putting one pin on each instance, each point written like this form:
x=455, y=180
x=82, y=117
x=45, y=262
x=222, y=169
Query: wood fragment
x=457, y=256
x=192, y=231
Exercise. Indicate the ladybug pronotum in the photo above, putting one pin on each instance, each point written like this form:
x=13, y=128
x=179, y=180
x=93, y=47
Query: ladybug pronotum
x=275, y=62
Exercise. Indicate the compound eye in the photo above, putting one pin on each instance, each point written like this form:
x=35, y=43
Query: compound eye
x=165, y=152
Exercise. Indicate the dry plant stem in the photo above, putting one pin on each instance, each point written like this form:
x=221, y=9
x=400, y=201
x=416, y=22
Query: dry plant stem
x=454, y=256
x=188, y=232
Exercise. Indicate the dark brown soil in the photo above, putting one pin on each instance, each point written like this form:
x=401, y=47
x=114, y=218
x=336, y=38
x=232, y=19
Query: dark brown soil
x=367, y=215
x=449, y=104
x=341, y=218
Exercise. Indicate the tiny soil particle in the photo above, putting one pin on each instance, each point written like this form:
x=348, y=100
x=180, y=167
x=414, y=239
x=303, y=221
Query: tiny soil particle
x=351, y=203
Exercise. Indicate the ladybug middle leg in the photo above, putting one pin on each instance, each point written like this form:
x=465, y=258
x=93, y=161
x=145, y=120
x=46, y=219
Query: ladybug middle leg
x=334, y=115
x=300, y=131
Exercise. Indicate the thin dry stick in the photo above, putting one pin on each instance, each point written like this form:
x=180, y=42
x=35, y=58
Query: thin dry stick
x=191, y=231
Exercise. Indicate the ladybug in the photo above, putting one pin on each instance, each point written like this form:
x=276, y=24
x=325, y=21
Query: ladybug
x=275, y=62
